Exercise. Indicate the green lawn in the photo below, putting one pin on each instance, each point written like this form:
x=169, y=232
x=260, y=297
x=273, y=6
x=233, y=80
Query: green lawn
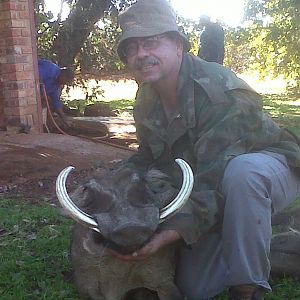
x=34, y=243
x=34, y=238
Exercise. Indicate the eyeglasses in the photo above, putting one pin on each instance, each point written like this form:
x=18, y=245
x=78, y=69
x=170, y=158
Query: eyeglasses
x=150, y=43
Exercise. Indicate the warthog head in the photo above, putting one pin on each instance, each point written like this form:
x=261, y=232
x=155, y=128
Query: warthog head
x=125, y=206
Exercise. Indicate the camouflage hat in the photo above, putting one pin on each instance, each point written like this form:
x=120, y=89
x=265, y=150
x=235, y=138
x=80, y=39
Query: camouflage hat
x=147, y=18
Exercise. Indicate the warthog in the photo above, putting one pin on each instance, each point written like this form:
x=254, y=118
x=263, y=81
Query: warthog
x=122, y=210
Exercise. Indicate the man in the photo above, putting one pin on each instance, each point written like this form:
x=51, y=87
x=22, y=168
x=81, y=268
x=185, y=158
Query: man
x=52, y=79
x=211, y=41
x=245, y=167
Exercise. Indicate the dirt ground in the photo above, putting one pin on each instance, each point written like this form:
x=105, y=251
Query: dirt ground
x=31, y=162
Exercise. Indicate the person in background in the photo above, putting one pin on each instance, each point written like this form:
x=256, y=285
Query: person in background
x=52, y=80
x=211, y=41
x=245, y=166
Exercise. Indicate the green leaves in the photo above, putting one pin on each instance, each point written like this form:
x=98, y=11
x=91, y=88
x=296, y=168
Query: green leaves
x=274, y=37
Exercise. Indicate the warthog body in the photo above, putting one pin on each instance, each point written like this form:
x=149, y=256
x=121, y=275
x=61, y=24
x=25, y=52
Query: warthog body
x=126, y=205
x=99, y=275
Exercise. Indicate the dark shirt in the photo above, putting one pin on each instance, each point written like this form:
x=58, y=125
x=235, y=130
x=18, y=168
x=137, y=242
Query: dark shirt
x=212, y=43
x=49, y=75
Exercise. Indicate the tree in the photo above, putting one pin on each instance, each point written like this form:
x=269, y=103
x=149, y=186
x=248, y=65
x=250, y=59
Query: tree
x=275, y=37
x=63, y=41
x=74, y=31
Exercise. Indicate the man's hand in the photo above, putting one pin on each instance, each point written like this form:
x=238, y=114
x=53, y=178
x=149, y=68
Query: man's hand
x=158, y=241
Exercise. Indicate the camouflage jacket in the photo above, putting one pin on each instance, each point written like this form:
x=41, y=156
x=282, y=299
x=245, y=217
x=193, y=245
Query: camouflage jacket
x=219, y=117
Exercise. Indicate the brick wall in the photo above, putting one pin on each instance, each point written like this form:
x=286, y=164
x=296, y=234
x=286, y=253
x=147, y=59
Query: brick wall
x=19, y=93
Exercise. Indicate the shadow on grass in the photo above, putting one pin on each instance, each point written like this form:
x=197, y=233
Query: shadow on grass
x=284, y=110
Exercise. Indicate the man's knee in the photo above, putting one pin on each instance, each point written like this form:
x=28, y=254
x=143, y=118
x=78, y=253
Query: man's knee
x=244, y=172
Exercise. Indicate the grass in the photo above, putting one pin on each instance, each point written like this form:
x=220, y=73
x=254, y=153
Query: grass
x=34, y=238
x=122, y=105
x=284, y=110
x=34, y=243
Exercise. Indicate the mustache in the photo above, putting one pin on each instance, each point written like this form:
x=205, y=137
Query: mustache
x=145, y=62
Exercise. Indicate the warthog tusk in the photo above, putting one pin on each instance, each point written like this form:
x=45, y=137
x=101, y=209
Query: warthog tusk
x=184, y=193
x=75, y=212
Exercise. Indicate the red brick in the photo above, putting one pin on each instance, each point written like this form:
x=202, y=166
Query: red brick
x=5, y=24
x=7, y=68
x=25, y=58
x=4, y=6
x=28, y=67
x=17, y=23
x=16, y=32
x=27, y=93
x=10, y=94
x=24, y=14
x=11, y=41
x=22, y=76
x=5, y=15
x=26, y=50
x=33, y=100
x=26, y=110
x=7, y=59
x=14, y=15
x=15, y=85
x=21, y=7
x=11, y=102
x=26, y=33
x=13, y=50
x=12, y=111
x=19, y=67
x=19, y=95
x=13, y=6
x=13, y=121
x=11, y=32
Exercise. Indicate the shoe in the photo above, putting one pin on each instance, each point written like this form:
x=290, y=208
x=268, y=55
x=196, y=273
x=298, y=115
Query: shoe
x=246, y=292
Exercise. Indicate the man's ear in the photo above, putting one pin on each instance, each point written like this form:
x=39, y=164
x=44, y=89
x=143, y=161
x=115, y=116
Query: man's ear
x=179, y=43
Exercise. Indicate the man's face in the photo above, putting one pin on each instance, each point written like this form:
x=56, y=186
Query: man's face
x=153, y=58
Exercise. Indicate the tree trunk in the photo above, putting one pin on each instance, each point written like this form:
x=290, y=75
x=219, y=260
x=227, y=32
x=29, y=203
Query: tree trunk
x=75, y=30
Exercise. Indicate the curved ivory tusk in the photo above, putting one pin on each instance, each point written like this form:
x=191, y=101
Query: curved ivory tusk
x=184, y=193
x=75, y=212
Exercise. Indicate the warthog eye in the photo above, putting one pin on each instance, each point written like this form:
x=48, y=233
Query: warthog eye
x=97, y=199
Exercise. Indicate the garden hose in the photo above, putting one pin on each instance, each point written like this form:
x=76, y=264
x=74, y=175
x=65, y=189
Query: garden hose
x=95, y=140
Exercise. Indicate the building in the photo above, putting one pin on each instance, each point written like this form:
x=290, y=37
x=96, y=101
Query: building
x=19, y=86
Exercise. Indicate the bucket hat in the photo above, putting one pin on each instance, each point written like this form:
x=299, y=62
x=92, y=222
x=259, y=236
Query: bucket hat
x=147, y=18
